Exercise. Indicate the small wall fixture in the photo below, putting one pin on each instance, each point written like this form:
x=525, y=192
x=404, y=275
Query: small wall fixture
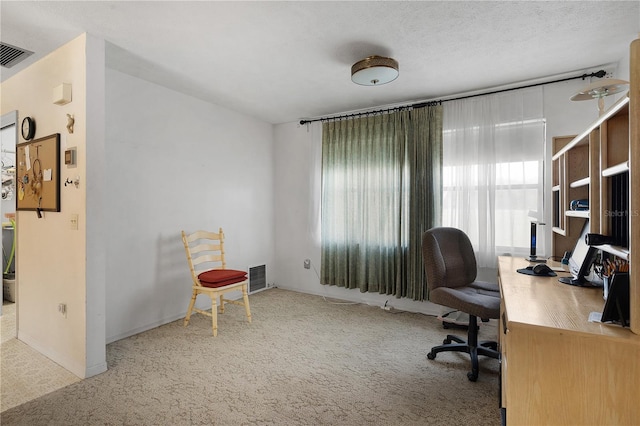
x=62, y=94
x=374, y=71
x=599, y=89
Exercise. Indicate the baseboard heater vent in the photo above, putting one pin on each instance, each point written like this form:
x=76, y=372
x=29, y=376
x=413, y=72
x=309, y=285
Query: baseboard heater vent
x=257, y=278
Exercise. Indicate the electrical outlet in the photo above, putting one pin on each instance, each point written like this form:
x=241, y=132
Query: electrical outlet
x=62, y=308
x=307, y=264
x=609, y=71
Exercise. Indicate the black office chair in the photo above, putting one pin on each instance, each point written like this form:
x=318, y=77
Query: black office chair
x=451, y=269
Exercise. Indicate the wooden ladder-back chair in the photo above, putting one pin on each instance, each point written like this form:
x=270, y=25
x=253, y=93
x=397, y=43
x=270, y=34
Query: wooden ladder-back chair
x=205, y=255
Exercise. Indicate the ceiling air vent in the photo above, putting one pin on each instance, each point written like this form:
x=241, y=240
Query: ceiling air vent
x=11, y=55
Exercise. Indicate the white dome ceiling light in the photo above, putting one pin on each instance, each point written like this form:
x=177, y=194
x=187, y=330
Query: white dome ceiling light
x=374, y=71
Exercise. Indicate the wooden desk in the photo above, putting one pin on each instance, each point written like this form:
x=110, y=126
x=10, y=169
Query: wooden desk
x=558, y=368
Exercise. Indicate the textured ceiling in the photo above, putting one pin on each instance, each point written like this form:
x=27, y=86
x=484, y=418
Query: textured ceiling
x=282, y=61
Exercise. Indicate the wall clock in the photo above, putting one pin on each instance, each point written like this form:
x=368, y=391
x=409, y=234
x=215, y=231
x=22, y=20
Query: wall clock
x=28, y=128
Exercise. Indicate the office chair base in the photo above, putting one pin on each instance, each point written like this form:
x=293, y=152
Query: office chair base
x=447, y=325
x=471, y=346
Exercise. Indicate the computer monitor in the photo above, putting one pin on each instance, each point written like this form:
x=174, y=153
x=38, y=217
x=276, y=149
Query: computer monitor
x=581, y=259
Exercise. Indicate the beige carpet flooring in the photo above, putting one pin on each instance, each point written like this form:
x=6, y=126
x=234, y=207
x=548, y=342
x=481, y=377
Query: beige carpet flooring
x=302, y=361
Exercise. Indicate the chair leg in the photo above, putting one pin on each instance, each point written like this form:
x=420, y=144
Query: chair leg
x=486, y=348
x=472, y=341
x=222, y=303
x=451, y=338
x=245, y=298
x=471, y=346
x=489, y=344
x=448, y=347
x=190, y=308
x=214, y=315
x=473, y=374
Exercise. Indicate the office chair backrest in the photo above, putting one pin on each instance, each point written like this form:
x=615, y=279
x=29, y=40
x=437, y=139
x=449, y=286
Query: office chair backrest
x=449, y=258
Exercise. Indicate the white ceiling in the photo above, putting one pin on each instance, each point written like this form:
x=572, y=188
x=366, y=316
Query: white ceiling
x=283, y=61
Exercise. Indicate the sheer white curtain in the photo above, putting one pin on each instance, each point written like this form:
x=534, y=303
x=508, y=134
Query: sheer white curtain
x=493, y=169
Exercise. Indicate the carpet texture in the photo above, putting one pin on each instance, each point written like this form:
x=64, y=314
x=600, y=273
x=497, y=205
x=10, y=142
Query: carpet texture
x=302, y=361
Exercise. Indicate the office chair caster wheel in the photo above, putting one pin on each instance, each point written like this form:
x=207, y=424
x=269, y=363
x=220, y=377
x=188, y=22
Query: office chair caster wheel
x=472, y=377
x=431, y=355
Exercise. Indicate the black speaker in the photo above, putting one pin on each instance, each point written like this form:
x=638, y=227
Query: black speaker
x=532, y=251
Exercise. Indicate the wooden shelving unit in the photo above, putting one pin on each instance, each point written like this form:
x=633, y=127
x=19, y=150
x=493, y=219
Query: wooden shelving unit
x=570, y=182
x=551, y=354
x=598, y=165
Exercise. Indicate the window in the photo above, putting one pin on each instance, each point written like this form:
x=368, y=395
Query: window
x=493, y=171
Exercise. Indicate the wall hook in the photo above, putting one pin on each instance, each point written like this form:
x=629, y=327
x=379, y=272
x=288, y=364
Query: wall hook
x=70, y=122
x=76, y=181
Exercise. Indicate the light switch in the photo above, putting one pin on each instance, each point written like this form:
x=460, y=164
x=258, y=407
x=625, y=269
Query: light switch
x=73, y=221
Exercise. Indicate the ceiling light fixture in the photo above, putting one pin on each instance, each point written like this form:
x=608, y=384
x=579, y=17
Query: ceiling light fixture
x=374, y=71
x=599, y=89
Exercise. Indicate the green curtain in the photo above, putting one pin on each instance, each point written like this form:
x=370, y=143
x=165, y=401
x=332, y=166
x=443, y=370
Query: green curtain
x=381, y=189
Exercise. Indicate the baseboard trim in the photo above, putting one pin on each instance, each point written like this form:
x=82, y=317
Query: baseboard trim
x=64, y=361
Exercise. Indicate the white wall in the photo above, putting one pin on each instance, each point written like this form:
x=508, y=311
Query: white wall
x=95, y=183
x=174, y=162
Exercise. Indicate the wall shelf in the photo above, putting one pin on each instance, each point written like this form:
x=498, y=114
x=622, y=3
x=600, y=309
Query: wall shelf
x=621, y=252
x=616, y=170
x=580, y=183
x=559, y=231
x=577, y=213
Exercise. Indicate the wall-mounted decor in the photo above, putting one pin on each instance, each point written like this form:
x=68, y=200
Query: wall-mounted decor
x=28, y=128
x=70, y=122
x=38, y=174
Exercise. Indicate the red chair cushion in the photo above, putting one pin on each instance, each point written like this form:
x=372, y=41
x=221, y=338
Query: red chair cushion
x=221, y=277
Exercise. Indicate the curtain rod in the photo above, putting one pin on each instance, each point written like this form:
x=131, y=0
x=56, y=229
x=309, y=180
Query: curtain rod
x=598, y=74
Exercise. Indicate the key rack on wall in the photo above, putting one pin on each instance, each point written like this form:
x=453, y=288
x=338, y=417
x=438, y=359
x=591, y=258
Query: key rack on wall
x=38, y=174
